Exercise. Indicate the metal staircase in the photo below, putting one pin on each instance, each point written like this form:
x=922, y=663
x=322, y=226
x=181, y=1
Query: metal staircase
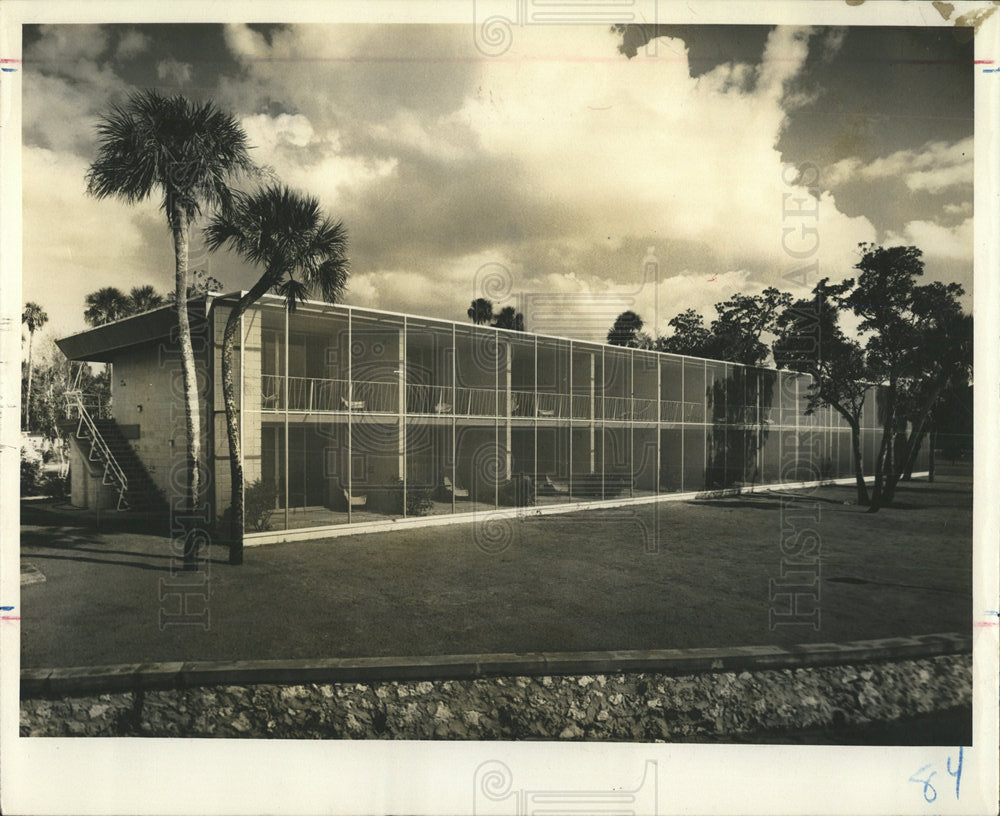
x=87, y=433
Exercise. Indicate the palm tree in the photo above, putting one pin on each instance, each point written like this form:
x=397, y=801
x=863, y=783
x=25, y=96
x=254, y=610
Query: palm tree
x=187, y=151
x=481, y=311
x=34, y=318
x=509, y=318
x=286, y=235
x=107, y=304
x=625, y=331
x=143, y=299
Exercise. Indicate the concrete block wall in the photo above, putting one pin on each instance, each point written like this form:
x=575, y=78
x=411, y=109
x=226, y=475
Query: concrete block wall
x=147, y=390
x=86, y=484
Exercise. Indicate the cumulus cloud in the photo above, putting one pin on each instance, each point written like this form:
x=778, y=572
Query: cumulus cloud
x=174, y=72
x=937, y=241
x=562, y=163
x=83, y=242
x=131, y=43
x=933, y=168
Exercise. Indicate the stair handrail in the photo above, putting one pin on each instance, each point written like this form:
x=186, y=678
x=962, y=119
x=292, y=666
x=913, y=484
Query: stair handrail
x=74, y=399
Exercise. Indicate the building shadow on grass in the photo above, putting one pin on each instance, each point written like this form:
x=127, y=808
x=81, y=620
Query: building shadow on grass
x=70, y=546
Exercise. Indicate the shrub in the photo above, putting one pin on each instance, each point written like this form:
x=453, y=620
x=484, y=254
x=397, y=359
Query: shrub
x=258, y=504
x=55, y=485
x=418, y=499
x=517, y=491
x=31, y=475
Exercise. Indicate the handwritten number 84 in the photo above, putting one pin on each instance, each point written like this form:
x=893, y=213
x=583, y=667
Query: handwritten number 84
x=930, y=793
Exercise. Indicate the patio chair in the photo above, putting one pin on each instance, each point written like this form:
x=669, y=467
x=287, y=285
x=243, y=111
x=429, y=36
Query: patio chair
x=353, y=405
x=443, y=407
x=356, y=499
x=556, y=485
x=457, y=492
x=269, y=399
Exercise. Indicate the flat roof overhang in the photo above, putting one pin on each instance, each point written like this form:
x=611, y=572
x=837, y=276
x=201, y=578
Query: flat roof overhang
x=102, y=344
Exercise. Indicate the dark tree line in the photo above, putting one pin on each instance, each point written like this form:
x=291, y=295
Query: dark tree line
x=912, y=339
x=481, y=313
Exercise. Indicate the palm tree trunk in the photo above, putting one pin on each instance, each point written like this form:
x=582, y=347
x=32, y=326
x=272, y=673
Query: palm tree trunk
x=27, y=396
x=233, y=419
x=179, y=226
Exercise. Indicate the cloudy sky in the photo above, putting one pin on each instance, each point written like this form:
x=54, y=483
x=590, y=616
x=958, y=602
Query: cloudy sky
x=565, y=176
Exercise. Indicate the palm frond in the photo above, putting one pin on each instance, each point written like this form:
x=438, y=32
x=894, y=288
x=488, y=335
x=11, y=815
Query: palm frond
x=286, y=234
x=190, y=151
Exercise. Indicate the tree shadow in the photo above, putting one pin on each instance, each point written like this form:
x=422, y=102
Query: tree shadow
x=63, y=541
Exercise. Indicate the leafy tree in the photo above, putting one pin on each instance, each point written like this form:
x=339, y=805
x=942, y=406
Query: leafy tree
x=736, y=332
x=33, y=317
x=298, y=250
x=943, y=372
x=741, y=322
x=188, y=152
x=143, y=299
x=689, y=335
x=201, y=284
x=106, y=305
x=509, y=318
x=916, y=341
x=626, y=330
x=810, y=341
x=481, y=311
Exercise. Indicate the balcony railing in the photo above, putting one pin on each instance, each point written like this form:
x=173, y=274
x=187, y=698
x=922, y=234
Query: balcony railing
x=325, y=395
x=314, y=394
x=617, y=408
x=443, y=399
x=583, y=406
x=522, y=403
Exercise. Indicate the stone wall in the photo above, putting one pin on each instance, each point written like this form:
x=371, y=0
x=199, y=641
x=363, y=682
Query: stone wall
x=619, y=707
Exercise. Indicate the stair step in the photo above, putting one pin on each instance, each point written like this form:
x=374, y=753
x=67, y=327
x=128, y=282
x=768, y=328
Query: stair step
x=141, y=491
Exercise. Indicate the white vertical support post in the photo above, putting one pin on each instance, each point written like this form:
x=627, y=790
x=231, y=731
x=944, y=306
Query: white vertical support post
x=604, y=413
x=454, y=419
x=593, y=408
x=631, y=422
x=496, y=417
x=798, y=433
x=684, y=419
x=286, y=381
x=350, y=412
x=534, y=423
x=659, y=420
x=242, y=413
x=571, y=417
x=704, y=423
x=509, y=356
x=401, y=408
x=759, y=425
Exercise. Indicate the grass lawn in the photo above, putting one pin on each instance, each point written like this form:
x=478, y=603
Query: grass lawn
x=668, y=575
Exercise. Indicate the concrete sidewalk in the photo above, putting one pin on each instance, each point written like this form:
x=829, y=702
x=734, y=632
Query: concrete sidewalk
x=667, y=576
